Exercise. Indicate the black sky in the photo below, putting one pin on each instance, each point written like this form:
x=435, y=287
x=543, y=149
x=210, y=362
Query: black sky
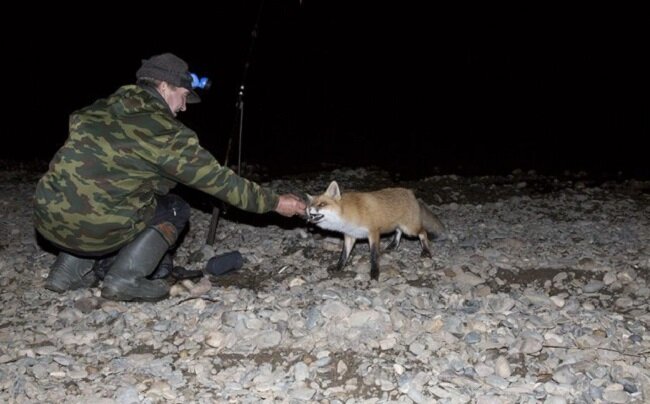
x=407, y=86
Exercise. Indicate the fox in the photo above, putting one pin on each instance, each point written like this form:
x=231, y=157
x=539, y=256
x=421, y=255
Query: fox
x=368, y=215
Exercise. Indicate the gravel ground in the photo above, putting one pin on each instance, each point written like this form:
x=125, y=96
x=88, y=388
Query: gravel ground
x=539, y=293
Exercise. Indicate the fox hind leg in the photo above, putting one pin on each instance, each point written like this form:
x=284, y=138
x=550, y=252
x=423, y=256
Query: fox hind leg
x=424, y=242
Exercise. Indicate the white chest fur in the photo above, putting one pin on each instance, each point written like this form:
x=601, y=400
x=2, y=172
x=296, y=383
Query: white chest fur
x=333, y=222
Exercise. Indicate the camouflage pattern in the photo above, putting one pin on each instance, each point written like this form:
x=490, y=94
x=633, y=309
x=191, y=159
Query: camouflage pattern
x=99, y=191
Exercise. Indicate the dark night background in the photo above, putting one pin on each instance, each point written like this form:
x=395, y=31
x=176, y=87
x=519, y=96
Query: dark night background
x=407, y=86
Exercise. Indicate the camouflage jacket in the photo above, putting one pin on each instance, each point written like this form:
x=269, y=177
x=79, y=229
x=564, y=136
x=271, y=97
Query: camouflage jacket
x=99, y=191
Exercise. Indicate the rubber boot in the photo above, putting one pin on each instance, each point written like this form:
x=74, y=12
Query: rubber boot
x=164, y=268
x=126, y=280
x=69, y=273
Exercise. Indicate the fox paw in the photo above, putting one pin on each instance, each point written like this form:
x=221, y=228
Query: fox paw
x=334, y=268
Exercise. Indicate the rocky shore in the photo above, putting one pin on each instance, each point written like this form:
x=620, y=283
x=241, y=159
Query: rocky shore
x=539, y=293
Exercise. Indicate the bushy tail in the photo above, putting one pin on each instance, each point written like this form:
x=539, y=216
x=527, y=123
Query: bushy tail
x=430, y=221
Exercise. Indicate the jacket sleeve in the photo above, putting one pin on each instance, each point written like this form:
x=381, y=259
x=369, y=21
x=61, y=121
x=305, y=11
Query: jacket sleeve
x=184, y=160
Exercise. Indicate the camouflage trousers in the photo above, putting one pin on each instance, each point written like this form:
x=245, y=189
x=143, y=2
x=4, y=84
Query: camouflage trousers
x=170, y=208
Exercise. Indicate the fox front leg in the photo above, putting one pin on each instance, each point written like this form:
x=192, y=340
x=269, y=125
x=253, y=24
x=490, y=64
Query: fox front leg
x=373, y=240
x=345, y=253
x=374, y=263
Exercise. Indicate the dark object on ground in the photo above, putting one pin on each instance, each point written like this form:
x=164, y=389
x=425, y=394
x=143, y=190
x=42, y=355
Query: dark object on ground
x=220, y=264
x=180, y=273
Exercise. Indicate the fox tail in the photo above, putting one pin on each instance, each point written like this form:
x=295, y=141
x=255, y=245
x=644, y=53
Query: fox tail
x=430, y=221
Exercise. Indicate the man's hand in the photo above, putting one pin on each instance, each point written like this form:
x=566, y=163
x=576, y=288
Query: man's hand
x=290, y=205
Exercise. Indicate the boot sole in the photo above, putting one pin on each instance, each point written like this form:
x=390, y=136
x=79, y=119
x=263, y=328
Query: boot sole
x=111, y=294
x=61, y=287
x=130, y=290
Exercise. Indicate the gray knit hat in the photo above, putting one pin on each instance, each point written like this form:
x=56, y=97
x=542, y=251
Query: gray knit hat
x=169, y=68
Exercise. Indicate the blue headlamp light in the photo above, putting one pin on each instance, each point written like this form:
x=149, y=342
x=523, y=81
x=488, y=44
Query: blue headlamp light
x=203, y=83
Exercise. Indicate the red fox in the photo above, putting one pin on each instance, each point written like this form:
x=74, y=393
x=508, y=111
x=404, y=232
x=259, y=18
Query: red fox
x=371, y=214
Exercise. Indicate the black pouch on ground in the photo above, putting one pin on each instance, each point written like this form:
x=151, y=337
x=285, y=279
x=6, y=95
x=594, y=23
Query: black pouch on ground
x=223, y=263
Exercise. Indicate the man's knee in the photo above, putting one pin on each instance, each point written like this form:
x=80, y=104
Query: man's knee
x=181, y=210
x=172, y=208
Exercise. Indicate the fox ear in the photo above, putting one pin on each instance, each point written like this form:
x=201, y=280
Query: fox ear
x=309, y=198
x=333, y=191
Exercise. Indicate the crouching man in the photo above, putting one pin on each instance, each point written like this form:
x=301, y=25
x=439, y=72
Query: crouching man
x=105, y=202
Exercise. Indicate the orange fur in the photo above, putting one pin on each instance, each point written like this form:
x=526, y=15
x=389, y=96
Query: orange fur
x=368, y=215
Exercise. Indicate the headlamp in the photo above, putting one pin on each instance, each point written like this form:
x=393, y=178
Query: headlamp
x=203, y=83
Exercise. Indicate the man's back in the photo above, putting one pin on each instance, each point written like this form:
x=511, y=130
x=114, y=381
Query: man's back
x=106, y=172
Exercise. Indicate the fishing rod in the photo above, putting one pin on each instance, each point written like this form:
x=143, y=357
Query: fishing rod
x=238, y=123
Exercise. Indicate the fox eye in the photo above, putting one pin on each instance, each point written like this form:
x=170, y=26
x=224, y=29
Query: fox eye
x=322, y=204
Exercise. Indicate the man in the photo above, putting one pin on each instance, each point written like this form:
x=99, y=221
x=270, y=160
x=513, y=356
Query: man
x=105, y=202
